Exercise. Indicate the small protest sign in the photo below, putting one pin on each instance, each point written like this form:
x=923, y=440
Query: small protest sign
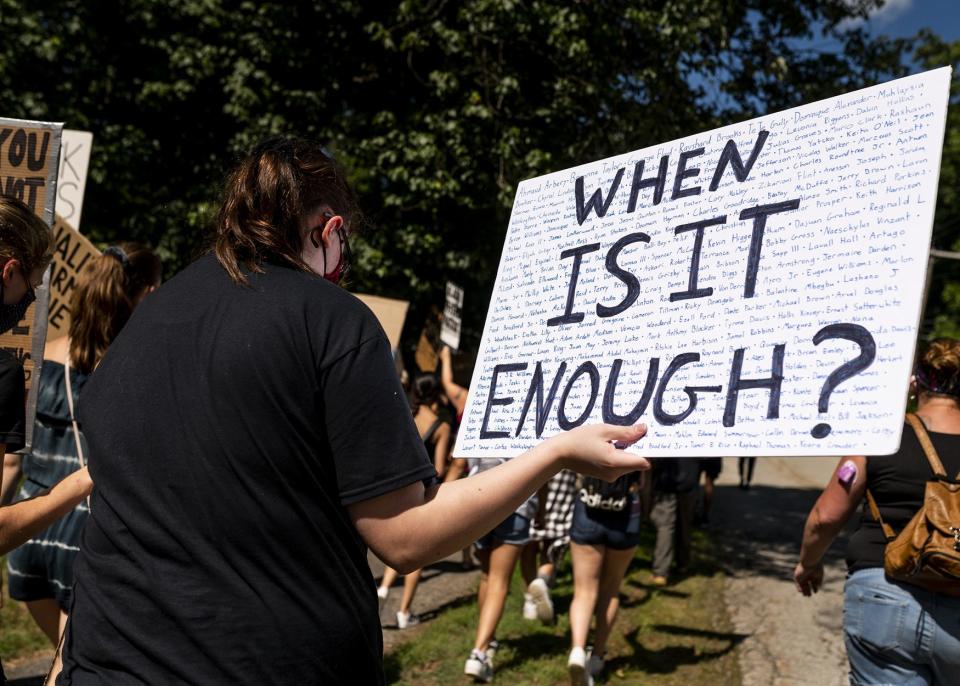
x=390, y=313
x=75, y=149
x=71, y=254
x=452, y=316
x=29, y=156
x=752, y=290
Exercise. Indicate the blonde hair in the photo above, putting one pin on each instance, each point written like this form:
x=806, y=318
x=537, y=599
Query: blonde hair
x=106, y=293
x=24, y=236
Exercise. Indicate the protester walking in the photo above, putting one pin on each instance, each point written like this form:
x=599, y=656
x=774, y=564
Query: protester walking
x=252, y=441
x=710, y=467
x=435, y=433
x=549, y=541
x=107, y=291
x=745, y=467
x=603, y=539
x=900, y=629
x=674, y=498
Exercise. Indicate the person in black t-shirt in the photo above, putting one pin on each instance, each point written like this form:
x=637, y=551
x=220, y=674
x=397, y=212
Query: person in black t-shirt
x=894, y=633
x=252, y=438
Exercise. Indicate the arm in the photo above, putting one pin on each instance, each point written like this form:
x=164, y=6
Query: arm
x=826, y=520
x=22, y=521
x=441, y=448
x=411, y=527
x=454, y=391
x=11, y=477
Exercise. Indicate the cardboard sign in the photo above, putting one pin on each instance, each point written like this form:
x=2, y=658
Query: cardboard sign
x=72, y=178
x=29, y=156
x=391, y=315
x=72, y=253
x=753, y=290
x=452, y=316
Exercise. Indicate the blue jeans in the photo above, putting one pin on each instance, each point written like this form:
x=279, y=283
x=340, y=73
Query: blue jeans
x=899, y=634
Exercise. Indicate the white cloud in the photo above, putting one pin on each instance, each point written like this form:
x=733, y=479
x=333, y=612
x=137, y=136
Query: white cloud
x=890, y=10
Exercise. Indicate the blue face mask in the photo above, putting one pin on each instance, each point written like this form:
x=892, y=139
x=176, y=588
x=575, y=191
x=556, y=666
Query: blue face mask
x=10, y=315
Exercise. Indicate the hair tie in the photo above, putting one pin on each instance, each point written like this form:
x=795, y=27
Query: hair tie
x=120, y=254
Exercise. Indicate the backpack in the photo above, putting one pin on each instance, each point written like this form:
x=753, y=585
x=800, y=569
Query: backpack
x=927, y=552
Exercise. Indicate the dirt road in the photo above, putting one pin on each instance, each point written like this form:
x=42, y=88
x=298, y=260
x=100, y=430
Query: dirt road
x=793, y=641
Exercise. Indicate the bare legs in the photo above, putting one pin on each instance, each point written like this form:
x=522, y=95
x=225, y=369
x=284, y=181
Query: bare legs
x=496, y=567
x=597, y=575
x=410, y=583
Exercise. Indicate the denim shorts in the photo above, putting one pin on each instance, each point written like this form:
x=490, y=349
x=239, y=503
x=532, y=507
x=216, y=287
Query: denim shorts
x=514, y=530
x=616, y=530
x=899, y=634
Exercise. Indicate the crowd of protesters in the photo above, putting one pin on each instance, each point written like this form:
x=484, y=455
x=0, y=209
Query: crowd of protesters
x=249, y=440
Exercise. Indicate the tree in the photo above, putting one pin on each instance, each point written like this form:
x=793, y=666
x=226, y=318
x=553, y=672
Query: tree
x=438, y=108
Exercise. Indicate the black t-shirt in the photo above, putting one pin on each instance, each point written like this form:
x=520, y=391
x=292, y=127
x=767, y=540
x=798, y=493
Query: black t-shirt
x=228, y=428
x=675, y=475
x=897, y=483
x=12, y=402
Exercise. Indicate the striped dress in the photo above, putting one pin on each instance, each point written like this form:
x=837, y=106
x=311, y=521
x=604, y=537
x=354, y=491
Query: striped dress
x=43, y=566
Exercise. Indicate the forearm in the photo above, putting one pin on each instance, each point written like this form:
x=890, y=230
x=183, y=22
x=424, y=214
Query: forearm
x=818, y=535
x=455, y=514
x=23, y=520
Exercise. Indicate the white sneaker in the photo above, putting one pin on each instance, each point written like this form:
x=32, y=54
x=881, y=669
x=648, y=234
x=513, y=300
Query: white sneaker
x=382, y=593
x=529, y=607
x=406, y=619
x=540, y=594
x=479, y=666
x=577, y=668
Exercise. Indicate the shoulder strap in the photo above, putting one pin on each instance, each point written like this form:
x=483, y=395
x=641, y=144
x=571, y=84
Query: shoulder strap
x=432, y=430
x=935, y=464
x=875, y=511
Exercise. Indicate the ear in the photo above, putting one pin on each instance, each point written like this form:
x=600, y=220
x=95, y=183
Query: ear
x=10, y=270
x=333, y=224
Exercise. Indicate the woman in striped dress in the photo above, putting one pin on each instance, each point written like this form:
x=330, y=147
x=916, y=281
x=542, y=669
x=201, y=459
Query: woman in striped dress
x=109, y=288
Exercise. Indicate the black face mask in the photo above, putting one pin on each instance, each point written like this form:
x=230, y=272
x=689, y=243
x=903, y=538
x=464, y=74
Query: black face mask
x=10, y=315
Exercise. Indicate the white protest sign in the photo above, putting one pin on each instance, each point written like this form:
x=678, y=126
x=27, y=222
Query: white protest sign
x=72, y=177
x=452, y=316
x=752, y=290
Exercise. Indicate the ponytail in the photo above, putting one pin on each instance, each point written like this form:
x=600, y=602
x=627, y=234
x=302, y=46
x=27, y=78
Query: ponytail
x=108, y=290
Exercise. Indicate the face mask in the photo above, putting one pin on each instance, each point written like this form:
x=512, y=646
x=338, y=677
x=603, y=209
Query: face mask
x=10, y=315
x=343, y=264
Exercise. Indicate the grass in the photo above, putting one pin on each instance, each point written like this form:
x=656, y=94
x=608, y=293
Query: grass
x=679, y=635
x=19, y=635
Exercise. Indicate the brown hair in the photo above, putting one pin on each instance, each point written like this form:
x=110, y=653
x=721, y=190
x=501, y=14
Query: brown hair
x=268, y=196
x=24, y=236
x=938, y=369
x=106, y=293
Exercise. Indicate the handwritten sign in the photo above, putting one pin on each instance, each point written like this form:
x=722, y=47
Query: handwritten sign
x=72, y=178
x=29, y=154
x=452, y=316
x=71, y=254
x=752, y=290
x=390, y=313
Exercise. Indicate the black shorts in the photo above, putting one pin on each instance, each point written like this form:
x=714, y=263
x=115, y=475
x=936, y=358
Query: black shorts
x=711, y=466
x=616, y=530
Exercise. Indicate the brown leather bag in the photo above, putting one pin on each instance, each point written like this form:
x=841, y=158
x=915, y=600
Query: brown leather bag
x=927, y=552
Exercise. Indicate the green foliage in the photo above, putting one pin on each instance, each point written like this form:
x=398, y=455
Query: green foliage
x=438, y=108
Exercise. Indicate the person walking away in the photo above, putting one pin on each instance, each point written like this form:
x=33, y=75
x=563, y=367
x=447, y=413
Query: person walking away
x=895, y=632
x=108, y=289
x=710, y=467
x=603, y=539
x=745, y=467
x=253, y=442
x=435, y=433
x=674, y=498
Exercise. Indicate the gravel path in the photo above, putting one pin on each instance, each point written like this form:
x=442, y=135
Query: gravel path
x=792, y=640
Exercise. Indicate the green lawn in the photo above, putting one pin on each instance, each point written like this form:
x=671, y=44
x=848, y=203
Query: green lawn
x=19, y=635
x=675, y=636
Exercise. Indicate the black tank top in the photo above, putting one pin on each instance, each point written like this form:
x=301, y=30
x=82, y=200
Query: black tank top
x=897, y=482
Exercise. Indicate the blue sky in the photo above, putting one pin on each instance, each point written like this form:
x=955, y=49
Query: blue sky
x=902, y=18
